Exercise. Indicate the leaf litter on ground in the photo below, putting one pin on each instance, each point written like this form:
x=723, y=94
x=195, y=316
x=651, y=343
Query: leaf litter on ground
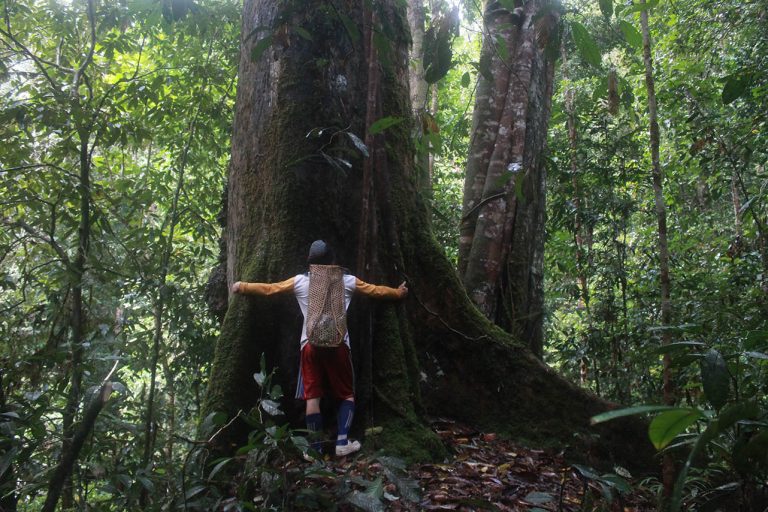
x=485, y=472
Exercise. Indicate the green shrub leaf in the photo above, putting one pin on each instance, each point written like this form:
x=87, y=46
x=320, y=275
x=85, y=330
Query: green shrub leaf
x=631, y=34
x=629, y=411
x=586, y=45
x=384, y=123
x=667, y=425
x=715, y=378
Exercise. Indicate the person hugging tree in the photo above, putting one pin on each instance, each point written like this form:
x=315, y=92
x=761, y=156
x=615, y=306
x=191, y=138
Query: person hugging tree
x=324, y=294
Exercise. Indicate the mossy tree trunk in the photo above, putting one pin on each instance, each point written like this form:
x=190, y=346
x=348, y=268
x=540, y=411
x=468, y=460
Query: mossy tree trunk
x=303, y=105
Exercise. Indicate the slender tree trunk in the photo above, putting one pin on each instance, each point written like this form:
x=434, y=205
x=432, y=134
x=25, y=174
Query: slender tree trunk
x=760, y=226
x=170, y=380
x=581, y=266
x=668, y=466
x=502, y=244
x=434, y=101
x=419, y=86
x=8, y=497
x=150, y=422
x=736, y=200
x=419, y=90
x=78, y=315
x=433, y=353
x=68, y=457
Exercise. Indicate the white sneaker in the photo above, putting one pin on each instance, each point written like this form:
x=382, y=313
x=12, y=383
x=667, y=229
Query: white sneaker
x=346, y=449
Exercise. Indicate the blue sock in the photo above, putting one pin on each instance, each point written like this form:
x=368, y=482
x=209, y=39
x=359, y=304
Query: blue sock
x=346, y=412
x=315, y=426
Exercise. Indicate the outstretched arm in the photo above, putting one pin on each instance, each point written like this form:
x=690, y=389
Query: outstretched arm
x=263, y=288
x=381, y=292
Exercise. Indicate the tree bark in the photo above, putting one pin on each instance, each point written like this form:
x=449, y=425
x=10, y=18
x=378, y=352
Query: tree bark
x=502, y=239
x=419, y=86
x=435, y=353
x=420, y=89
x=668, y=465
x=68, y=457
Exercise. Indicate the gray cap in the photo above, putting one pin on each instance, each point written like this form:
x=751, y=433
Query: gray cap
x=320, y=253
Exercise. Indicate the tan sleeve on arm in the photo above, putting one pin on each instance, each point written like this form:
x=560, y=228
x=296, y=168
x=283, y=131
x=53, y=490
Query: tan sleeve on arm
x=377, y=292
x=267, y=288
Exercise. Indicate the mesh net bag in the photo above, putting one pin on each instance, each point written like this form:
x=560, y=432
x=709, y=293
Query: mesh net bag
x=326, y=314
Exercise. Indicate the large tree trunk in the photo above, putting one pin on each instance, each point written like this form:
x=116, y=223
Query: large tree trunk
x=435, y=353
x=501, y=248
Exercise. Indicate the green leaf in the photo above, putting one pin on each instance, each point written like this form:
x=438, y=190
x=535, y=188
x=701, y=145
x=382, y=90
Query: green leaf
x=384, y=123
x=145, y=482
x=628, y=411
x=213, y=420
x=618, y=482
x=484, y=67
x=641, y=7
x=756, y=450
x=195, y=491
x=359, y=144
x=677, y=493
x=631, y=34
x=538, y=498
x=7, y=459
x=370, y=500
x=737, y=411
x=674, y=347
x=383, y=46
x=667, y=425
x=519, y=194
x=606, y=7
x=586, y=472
x=260, y=47
x=438, y=55
x=586, y=44
x=271, y=407
x=501, y=47
x=735, y=87
x=465, y=80
x=218, y=467
x=715, y=378
x=476, y=504
x=350, y=27
x=304, y=33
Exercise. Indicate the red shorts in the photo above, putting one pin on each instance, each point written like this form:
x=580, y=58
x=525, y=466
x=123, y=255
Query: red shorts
x=326, y=369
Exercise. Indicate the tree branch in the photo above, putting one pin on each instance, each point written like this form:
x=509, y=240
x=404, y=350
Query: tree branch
x=37, y=60
x=68, y=458
x=89, y=56
x=49, y=239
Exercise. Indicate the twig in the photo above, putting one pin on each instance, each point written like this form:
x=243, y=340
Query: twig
x=442, y=321
x=49, y=239
x=89, y=56
x=482, y=202
x=199, y=444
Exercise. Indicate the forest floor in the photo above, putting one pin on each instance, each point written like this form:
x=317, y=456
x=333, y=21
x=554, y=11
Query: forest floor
x=486, y=472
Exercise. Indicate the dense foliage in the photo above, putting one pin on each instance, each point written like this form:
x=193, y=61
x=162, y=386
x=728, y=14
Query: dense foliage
x=127, y=105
